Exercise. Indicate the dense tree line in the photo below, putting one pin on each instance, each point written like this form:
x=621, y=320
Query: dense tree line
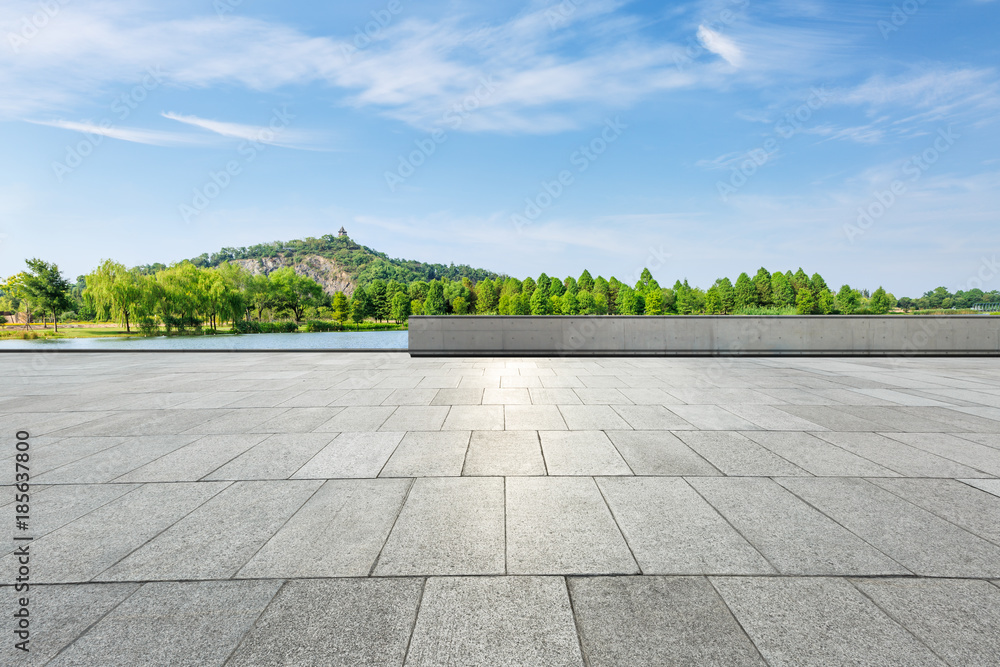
x=186, y=295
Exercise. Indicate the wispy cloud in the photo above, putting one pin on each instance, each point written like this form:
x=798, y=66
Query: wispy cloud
x=720, y=45
x=276, y=135
x=132, y=134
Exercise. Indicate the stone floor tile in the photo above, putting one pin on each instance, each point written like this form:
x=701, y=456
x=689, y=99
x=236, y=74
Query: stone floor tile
x=973, y=509
x=362, y=397
x=55, y=506
x=357, y=419
x=113, y=462
x=988, y=485
x=411, y=397
x=337, y=533
x=923, y=543
x=62, y=451
x=598, y=396
x=516, y=621
x=657, y=621
x=818, y=621
x=277, y=457
x=351, y=455
x=672, y=530
x=458, y=397
x=561, y=525
x=416, y=418
x=335, y=622
x=659, y=453
x=82, y=549
x=958, y=619
x=533, y=418
x=651, y=417
x=735, y=454
x=447, y=526
x=173, y=623
x=195, y=461
x=242, y=420
x=710, y=418
x=507, y=396
x=474, y=417
x=297, y=420
x=428, y=454
x=504, y=453
x=817, y=456
x=897, y=456
x=581, y=453
x=833, y=419
x=649, y=396
x=58, y=615
x=771, y=418
x=960, y=450
x=794, y=537
x=218, y=538
x=591, y=417
x=553, y=396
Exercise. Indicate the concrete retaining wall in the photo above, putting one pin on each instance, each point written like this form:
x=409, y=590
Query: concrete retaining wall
x=706, y=335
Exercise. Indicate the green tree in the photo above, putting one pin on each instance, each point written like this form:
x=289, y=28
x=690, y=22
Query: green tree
x=880, y=302
x=14, y=298
x=45, y=287
x=727, y=295
x=744, y=293
x=342, y=308
x=380, y=299
x=805, y=303
x=400, y=307
x=179, y=295
x=628, y=301
x=459, y=306
x=848, y=300
x=827, y=302
x=762, y=284
x=359, y=304
x=585, y=282
x=295, y=292
x=713, y=300
x=585, y=303
x=487, y=297
x=435, y=304
x=782, y=293
x=260, y=294
x=570, y=303
x=540, y=302
x=116, y=293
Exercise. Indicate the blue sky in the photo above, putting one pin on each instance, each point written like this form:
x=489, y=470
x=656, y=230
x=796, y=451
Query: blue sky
x=858, y=139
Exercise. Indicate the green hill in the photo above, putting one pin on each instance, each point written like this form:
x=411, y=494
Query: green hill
x=336, y=262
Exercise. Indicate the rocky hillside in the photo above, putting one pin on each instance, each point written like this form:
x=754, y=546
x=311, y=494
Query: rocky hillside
x=336, y=262
x=325, y=271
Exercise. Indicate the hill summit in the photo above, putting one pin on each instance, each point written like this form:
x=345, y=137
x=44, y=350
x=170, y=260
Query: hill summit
x=336, y=262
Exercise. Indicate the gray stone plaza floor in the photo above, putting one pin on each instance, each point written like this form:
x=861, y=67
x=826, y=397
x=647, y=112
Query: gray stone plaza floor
x=377, y=509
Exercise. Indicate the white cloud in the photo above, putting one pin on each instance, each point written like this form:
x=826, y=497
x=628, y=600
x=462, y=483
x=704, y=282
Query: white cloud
x=132, y=134
x=720, y=45
x=276, y=133
x=549, y=75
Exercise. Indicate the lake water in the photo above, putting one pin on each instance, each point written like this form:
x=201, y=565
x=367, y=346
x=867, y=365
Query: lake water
x=333, y=340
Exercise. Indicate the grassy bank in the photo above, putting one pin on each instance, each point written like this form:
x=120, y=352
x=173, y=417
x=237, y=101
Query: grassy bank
x=110, y=330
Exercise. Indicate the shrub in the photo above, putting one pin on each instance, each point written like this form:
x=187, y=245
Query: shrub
x=322, y=325
x=245, y=327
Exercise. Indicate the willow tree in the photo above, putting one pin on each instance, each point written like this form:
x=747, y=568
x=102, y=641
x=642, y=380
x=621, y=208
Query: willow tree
x=117, y=293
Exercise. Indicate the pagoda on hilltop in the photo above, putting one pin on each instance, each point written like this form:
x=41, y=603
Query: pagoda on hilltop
x=342, y=232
